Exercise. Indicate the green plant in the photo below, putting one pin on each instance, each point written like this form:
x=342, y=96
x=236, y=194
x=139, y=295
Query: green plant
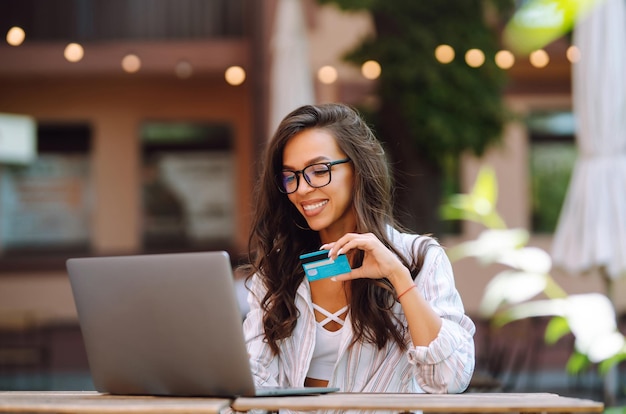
x=429, y=113
x=526, y=288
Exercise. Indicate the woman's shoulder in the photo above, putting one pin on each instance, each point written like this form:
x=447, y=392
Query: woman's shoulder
x=411, y=240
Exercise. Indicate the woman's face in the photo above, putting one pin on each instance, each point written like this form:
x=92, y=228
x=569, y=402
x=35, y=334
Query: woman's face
x=327, y=209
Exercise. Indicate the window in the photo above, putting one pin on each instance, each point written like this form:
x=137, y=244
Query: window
x=188, y=185
x=552, y=156
x=45, y=205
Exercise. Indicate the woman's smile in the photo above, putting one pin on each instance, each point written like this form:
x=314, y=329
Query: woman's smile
x=312, y=208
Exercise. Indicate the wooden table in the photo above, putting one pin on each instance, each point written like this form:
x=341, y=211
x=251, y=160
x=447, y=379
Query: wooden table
x=89, y=402
x=429, y=403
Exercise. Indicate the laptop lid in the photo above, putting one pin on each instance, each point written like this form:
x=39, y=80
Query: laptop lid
x=163, y=324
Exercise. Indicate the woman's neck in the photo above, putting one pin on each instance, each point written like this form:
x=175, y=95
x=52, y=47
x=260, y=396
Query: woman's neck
x=336, y=230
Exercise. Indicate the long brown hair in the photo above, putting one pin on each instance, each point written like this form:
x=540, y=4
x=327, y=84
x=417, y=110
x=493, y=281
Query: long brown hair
x=280, y=234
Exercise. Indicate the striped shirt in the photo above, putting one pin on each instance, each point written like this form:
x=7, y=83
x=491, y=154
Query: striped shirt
x=444, y=366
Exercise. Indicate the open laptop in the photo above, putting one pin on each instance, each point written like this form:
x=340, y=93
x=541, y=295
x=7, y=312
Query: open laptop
x=165, y=324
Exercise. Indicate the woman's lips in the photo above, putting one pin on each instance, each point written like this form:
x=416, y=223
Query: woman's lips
x=313, y=208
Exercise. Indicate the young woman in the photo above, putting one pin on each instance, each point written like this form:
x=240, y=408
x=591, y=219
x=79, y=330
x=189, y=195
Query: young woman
x=396, y=322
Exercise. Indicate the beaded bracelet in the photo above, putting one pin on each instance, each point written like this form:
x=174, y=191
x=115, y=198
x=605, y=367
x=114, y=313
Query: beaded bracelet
x=401, y=294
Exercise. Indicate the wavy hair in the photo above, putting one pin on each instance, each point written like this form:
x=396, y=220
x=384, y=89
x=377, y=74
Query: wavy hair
x=279, y=234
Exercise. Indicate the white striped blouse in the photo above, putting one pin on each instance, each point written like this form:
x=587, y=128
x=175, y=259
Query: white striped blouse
x=444, y=366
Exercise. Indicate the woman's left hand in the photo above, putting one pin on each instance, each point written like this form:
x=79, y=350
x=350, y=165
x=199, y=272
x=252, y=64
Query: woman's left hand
x=378, y=261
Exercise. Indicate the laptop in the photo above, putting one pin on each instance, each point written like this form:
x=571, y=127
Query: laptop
x=165, y=324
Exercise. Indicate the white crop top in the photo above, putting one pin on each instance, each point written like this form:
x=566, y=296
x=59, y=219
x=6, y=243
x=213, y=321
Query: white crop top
x=327, y=345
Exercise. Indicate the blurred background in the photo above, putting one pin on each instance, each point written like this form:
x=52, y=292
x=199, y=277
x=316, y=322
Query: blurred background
x=137, y=126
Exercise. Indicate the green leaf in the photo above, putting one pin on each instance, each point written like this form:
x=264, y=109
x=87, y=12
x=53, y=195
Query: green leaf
x=452, y=212
x=485, y=191
x=493, y=221
x=577, y=363
x=615, y=410
x=556, y=329
x=523, y=35
x=606, y=365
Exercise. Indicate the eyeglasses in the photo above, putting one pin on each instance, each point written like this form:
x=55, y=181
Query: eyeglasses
x=316, y=175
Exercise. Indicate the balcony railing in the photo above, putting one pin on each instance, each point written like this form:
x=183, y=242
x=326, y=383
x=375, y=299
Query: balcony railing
x=119, y=20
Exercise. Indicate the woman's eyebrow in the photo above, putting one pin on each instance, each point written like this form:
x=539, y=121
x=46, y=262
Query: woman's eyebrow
x=320, y=158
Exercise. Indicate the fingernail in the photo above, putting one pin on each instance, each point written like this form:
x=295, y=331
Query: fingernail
x=334, y=279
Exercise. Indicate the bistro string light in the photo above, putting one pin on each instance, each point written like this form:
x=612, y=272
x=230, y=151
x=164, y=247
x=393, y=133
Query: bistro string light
x=15, y=36
x=475, y=58
x=539, y=58
x=235, y=75
x=444, y=54
x=505, y=59
x=327, y=74
x=371, y=69
x=74, y=52
x=131, y=63
x=573, y=54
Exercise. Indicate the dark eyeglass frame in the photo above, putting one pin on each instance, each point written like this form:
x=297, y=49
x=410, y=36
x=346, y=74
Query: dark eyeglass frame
x=298, y=173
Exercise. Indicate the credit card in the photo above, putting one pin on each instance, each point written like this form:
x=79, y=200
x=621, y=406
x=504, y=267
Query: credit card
x=317, y=265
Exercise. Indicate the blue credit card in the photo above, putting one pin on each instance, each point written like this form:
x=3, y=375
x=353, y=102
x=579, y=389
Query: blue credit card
x=317, y=265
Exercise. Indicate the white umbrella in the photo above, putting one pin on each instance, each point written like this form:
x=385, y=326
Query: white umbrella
x=591, y=233
x=290, y=80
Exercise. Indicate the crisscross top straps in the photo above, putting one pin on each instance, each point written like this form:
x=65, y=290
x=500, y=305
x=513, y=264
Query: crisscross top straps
x=331, y=317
